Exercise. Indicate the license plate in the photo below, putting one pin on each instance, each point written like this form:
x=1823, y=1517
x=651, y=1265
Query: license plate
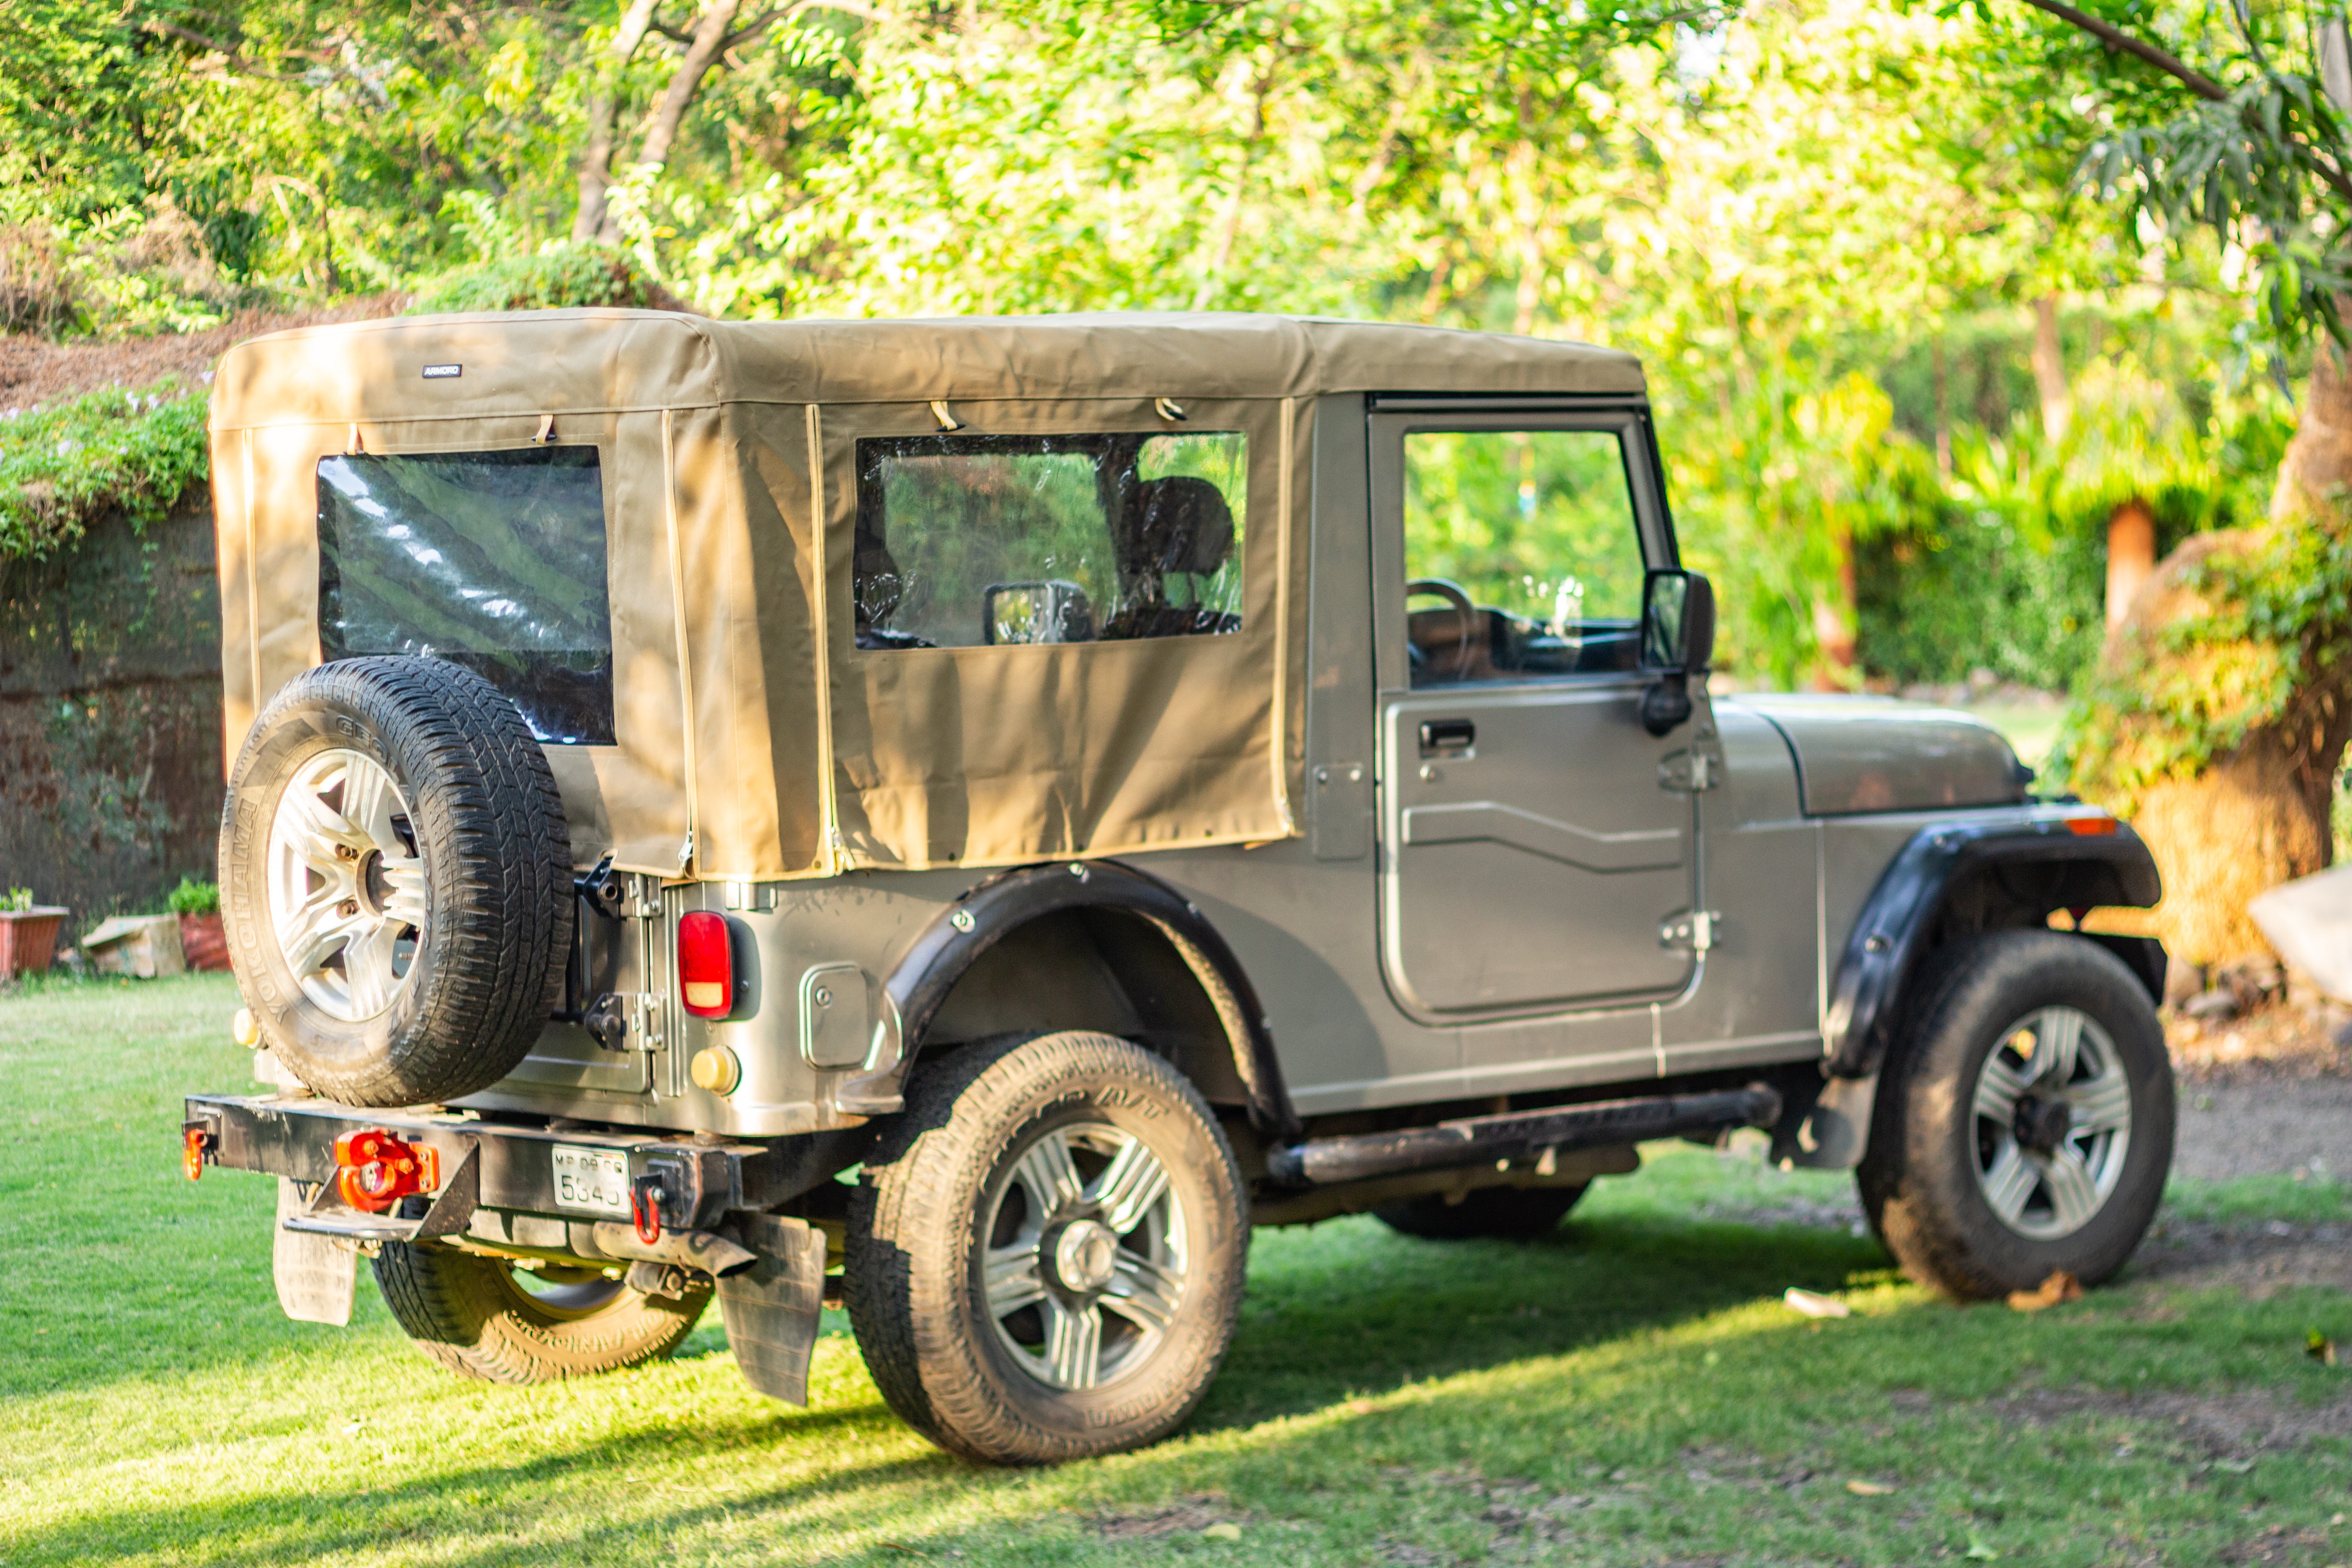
x=596, y=1180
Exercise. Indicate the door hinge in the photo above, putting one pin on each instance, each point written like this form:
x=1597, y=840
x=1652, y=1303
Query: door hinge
x=626, y=1020
x=1688, y=772
x=1691, y=932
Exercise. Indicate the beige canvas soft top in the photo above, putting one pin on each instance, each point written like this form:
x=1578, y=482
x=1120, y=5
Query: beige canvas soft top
x=619, y=360
x=755, y=739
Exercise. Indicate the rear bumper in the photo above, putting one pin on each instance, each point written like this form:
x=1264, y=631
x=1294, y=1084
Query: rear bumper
x=514, y=1163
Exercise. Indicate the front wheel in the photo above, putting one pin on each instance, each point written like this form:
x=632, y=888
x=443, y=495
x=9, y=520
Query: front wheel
x=1045, y=1254
x=2024, y=1121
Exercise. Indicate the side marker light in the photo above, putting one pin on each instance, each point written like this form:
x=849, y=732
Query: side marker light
x=2090, y=826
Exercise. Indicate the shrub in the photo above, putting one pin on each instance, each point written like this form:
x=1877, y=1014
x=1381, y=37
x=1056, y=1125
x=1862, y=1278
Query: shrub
x=558, y=276
x=111, y=450
x=194, y=898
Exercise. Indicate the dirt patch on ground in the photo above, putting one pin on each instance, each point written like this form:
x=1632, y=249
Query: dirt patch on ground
x=2283, y=1040
x=1188, y=1515
x=2259, y=1126
x=2224, y=1427
x=2257, y=1258
x=36, y=372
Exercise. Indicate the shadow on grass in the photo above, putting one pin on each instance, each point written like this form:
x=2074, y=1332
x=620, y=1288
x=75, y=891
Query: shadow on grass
x=1333, y=1314
x=1355, y=1309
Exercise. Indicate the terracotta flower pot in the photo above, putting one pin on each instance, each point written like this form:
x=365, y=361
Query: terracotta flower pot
x=29, y=938
x=201, y=939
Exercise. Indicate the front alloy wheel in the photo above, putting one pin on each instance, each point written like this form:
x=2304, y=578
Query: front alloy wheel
x=2024, y=1118
x=2053, y=1113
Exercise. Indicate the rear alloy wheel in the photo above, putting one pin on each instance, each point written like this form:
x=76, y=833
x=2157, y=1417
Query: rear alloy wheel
x=1085, y=1260
x=1045, y=1253
x=2025, y=1119
x=504, y=1323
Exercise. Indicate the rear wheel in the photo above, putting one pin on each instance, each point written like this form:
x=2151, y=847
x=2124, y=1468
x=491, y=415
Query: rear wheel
x=486, y=1317
x=1045, y=1254
x=1509, y=1213
x=2024, y=1121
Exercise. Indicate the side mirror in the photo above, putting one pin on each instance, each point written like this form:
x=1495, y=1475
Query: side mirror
x=1677, y=642
x=1047, y=612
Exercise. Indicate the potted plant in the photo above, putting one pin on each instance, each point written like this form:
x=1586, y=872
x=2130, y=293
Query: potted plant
x=29, y=933
x=198, y=906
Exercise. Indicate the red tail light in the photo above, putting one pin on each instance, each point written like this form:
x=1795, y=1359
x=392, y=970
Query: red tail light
x=706, y=965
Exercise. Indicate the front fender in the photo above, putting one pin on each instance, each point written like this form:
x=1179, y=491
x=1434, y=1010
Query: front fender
x=2054, y=861
x=942, y=951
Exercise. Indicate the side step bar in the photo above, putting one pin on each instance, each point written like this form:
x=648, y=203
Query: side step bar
x=1517, y=1134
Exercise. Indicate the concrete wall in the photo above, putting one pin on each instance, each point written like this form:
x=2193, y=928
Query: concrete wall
x=110, y=717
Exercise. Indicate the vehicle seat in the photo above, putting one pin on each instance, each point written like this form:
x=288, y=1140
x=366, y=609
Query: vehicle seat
x=1182, y=523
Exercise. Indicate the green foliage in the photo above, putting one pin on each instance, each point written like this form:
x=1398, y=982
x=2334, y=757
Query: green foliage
x=2002, y=565
x=136, y=453
x=193, y=898
x=17, y=900
x=2267, y=613
x=557, y=277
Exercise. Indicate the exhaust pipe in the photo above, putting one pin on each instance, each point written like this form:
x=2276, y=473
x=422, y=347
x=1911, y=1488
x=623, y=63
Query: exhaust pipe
x=1517, y=1134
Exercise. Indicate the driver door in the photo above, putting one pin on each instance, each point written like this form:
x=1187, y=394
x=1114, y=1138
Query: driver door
x=1529, y=854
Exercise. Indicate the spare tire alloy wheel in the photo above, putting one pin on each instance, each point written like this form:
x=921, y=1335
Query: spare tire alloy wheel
x=2053, y=1123
x=1085, y=1267
x=347, y=896
x=395, y=880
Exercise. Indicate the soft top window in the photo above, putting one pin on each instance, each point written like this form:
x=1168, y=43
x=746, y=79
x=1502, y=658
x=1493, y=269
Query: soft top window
x=491, y=560
x=971, y=541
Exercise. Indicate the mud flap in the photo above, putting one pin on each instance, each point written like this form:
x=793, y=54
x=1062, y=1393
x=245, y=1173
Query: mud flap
x=314, y=1273
x=772, y=1309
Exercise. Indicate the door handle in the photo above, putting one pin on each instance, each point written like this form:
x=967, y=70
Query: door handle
x=1448, y=737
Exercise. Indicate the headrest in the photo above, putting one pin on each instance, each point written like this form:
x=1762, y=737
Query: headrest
x=1182, y=524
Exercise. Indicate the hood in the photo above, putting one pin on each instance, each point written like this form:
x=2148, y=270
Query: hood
x=1873, y=754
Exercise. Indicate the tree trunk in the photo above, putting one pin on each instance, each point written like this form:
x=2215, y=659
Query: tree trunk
x=709, y=39
x=2258, y=815
x=2050, y=370
x=2319, y=459
x=604, y=109
x=2131, y=556
x=1833, y=624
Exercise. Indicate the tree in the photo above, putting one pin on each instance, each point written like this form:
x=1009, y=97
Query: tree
x=2224, y=704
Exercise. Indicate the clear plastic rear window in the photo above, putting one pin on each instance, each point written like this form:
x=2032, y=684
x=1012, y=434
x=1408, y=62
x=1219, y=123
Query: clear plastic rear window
x=494, y=561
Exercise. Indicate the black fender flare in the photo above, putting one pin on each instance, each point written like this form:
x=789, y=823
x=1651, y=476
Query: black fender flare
x=2110, y=866
x=943, y=951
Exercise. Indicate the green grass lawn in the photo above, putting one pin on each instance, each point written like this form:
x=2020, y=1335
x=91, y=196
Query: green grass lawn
x=1630, y=1391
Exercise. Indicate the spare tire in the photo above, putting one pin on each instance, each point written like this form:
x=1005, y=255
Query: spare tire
x=395, y=880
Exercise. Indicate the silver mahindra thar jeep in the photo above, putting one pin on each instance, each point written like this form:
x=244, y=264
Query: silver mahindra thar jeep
x=965, y=818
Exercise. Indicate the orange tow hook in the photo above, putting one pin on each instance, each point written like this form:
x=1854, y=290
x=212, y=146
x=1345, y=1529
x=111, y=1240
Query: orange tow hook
x=378, y=1170
x=194, y=1139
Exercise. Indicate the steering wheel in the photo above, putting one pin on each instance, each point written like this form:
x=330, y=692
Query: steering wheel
x=1464, y=611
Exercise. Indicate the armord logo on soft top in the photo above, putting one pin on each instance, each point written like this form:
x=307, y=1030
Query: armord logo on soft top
x=443, y=372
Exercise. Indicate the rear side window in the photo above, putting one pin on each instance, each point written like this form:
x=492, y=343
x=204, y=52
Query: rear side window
x=974, y=541
x=491, y=560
